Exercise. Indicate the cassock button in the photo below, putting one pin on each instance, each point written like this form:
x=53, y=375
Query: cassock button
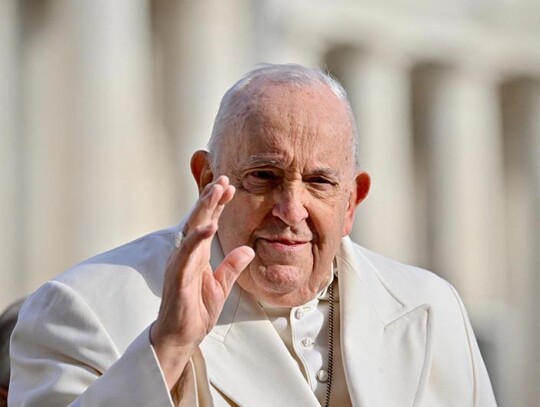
x=322, y=376
x=308, y=342
x=301, y=311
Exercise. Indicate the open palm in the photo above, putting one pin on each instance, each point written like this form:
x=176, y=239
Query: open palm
x=194, y=294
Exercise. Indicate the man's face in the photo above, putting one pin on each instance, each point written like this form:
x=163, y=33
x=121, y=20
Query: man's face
x=291, y=162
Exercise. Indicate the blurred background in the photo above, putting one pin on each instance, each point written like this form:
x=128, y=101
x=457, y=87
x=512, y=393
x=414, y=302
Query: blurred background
x=103, y=102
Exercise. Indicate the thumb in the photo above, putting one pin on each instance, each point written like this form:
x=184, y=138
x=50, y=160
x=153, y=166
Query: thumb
x=231, y=267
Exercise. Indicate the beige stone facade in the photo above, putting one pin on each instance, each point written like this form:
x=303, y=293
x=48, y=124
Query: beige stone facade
x=103, y=102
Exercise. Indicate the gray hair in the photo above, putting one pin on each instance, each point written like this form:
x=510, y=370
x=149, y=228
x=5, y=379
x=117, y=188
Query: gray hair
x=291, y=74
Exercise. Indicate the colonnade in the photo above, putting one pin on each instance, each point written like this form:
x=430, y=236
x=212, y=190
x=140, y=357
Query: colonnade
x=102, y=104
x=86, y=163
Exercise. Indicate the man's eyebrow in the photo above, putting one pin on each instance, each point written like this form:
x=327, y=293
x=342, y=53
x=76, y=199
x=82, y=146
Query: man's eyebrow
x=328, y=172
x=257, y=160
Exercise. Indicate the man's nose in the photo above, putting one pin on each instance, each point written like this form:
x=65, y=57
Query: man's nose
x=289, y=205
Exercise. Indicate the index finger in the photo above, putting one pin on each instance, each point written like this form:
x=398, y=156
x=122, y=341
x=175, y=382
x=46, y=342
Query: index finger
x=210, y=203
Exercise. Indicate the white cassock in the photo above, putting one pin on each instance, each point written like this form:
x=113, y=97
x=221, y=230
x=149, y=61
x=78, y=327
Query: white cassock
x=82, y=339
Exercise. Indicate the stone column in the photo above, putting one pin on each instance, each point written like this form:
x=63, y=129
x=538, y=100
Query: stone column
x=533, y=160
x=124, y=176
x=90, y=170
x=379, y=89
x=203, y=48
x=460, y=124
x=521, y=119
x=11, y=171
x=466, y=179
x=95, y=174
x=46, y=202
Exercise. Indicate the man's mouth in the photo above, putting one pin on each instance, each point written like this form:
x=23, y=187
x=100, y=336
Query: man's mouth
x=283, y=244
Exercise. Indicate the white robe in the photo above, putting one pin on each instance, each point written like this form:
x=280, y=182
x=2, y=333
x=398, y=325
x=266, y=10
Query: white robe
x=82, y=339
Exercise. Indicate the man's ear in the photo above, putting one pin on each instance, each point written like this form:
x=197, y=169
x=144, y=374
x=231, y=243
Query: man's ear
x=360, y=191
x=200, y=168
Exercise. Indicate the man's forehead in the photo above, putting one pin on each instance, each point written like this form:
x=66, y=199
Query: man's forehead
x=276, y=121
x=309, y=108
x=272, y=92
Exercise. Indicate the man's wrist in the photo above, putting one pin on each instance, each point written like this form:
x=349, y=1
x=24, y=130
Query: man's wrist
x=173, y=358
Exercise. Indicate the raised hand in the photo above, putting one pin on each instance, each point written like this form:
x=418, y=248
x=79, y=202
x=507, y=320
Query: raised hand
x=193, y=295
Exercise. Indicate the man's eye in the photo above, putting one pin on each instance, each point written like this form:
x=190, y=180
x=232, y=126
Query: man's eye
x=260, y=181
x=263, y=175
x=320, y=181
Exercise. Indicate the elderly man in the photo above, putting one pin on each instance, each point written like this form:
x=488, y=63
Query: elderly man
x=258, y=298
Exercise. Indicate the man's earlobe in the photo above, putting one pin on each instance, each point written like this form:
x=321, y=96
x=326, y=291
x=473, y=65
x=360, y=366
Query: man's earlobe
x=200, y=169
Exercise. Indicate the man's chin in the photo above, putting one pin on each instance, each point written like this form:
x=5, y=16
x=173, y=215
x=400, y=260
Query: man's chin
x=278, y=285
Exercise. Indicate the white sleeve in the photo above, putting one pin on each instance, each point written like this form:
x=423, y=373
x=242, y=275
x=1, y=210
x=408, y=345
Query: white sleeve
x=62, y=355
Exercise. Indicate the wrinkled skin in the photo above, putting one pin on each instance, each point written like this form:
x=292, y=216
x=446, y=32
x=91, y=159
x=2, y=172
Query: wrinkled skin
x=291, y=161
x=281, y=197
